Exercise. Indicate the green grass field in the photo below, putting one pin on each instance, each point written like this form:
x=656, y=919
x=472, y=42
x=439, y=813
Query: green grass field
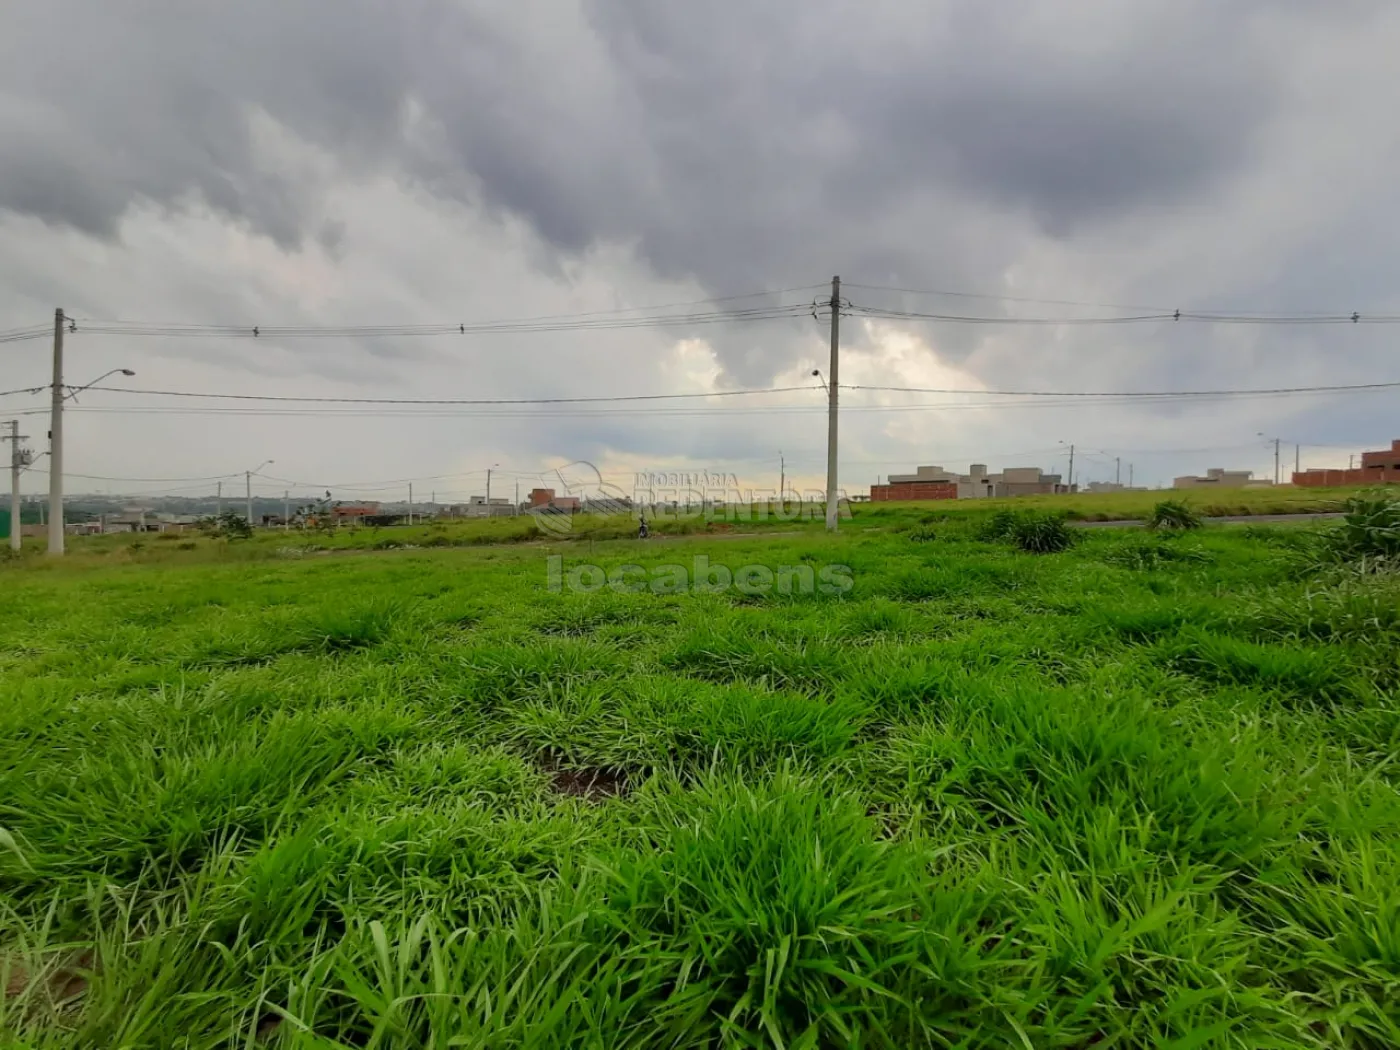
x=1140, y=793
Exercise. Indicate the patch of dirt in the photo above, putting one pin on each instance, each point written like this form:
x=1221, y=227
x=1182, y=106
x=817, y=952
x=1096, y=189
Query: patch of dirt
x=65, y=983
x=267, y=1027
x=593, y=783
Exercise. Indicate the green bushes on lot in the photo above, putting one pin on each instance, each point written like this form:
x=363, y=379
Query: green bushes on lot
x=1369, y=530
x=1173, y=514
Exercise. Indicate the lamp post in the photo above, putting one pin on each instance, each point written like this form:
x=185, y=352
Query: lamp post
x=62, y=393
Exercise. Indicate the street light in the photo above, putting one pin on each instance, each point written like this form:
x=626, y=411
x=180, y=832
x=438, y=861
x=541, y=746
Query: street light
x=62, y=393
x=74, y=391
x=1260, y=433
x=248, y=482
x=1069, y=481
x=492, y=467
x=822, y=379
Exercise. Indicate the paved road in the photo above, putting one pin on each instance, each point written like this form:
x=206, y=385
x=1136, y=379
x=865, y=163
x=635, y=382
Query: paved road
x=1232, y=519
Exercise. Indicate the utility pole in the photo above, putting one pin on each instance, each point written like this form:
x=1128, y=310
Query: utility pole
x=1297, y=459
x=18, y=459
x=1276, y=444
x=286, y=509
x=1070, y=480
x=56, y=440
x=833, y=387
x=782, y=476
x=1130, y=475
x=1351, y=460
x=410, y=503
x=1117, y=469
x=219, y=501
x=515, y=508
x=248, y=481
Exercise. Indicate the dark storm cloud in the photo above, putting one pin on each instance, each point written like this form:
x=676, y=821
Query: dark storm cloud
x=744, y=145
x=730, y=143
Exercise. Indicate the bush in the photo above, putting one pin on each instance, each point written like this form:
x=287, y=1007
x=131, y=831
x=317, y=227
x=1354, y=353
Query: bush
x=228, y=525
x=1369, y=529
x=1173, y=514
x=1000, y=526
x=1042, y=534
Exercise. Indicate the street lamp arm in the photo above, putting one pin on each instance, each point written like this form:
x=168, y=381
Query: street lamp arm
x=74, y=391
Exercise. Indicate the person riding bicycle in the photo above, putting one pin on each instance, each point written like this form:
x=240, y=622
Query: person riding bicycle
x=642, y=528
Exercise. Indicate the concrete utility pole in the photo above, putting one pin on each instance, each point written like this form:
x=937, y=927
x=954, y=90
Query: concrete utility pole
x=286, y=509
x=1070, y=480
x=1130, y=475
x=488, y=492
x=1276, y=445
x=219, y=501
x=248, y=482
x=833, y=387
x=1297, y=458
x=410, y=503
x=1117, y=469
x=782, y=475
x=56, y=440
x=18, y=459
x=1351, y=460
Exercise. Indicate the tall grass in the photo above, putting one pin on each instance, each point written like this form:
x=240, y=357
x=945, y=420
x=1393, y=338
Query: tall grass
x=1141, y=793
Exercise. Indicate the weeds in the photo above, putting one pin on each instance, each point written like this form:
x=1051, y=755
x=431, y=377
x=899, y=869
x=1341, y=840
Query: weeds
x=1368, y=532
x=1042, y=534
x=1172, y=514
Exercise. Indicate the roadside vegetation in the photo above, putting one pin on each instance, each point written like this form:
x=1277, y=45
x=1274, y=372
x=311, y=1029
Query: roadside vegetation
x=1136, y=790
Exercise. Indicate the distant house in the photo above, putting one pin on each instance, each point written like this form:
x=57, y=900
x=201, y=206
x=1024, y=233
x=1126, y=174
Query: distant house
x=545, y=499
x=354, y=513
x=977, y=483
x=1377, y=468
x=1220, y=478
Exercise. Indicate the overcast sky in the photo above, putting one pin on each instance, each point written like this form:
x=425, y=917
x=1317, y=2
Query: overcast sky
x=281, y=162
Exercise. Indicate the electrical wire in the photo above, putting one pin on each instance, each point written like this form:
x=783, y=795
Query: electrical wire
x=1000, y=298
x=1131, y=393
x=876, y=313
x=607, y=398
x=594, y=321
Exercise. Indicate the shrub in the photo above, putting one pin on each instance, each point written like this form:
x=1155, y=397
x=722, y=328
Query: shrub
x=1001, y=525
x=1369, y=529
x=1173, y=514
x=1042, y=534
x=228, y=525
x=923, y=534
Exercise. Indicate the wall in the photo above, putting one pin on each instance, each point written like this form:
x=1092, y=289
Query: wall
x=915, y=490
x=1356, y=476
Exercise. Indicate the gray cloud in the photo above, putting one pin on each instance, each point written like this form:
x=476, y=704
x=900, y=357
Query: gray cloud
x=1160, y=151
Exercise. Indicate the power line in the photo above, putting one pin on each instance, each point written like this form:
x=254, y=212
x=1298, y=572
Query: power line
x=1153, y=318
x=607, y=398
x=617, y=398
x=1131, y=393
x=600, y=320
x=1002, y=298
